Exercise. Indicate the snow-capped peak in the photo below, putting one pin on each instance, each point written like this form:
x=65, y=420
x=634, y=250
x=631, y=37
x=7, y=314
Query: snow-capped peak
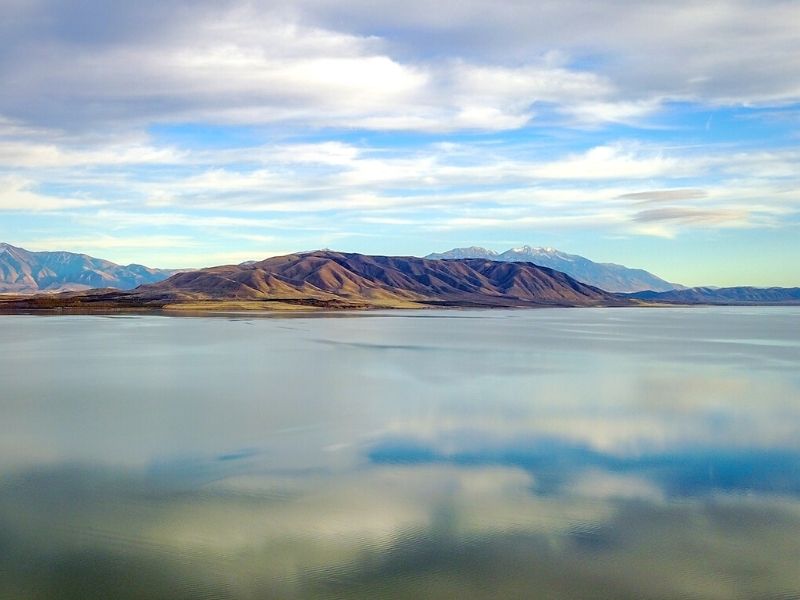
x=615, y=278
x=477, y=249
x=535, y=250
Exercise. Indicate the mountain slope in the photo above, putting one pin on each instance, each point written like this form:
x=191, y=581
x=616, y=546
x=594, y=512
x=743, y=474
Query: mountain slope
x=724, y=296
x=25, y=272
x=328, y=274
x=606, y=276
x=335, y=279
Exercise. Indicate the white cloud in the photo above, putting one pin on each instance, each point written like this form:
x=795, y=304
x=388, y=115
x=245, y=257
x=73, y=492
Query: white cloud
x=253, y=63
x=256, y=67
x=621, y=111
x=107, y=242
x=619, y=188
x=477, y=66
x=607, y=162
x=602, y=484
x=722, y=52
x=16, y=194
x=25, y=153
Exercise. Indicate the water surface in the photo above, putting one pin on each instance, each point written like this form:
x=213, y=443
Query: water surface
x=565, y=453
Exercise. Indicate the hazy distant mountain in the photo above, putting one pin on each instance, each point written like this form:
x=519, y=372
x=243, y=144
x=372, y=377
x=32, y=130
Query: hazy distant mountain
x=471, y=252
x=731, y=295
x=333, y=279
x=25, y=272
x=607, y=276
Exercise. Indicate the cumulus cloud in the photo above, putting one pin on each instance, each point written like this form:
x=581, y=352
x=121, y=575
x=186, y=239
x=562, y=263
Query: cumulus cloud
x=738, y=51
x=249, y=63
x=474, y=65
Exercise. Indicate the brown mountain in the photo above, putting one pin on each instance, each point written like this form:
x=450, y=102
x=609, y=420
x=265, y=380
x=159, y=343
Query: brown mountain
x=334, y=279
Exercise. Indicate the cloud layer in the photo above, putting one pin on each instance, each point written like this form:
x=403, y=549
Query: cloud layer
x=481, y=65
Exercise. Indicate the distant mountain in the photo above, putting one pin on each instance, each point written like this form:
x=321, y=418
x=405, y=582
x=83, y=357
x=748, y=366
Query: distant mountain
x=24, y=272
x=730, y=296
x=471, y=252
x=607, y=276
x=341, y=280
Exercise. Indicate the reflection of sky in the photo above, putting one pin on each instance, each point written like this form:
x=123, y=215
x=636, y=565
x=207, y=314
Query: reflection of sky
x=567, y=451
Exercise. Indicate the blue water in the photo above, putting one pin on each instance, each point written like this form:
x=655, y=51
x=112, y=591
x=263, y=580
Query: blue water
x=564, y=453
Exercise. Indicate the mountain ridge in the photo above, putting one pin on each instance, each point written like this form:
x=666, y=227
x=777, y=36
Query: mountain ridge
x=337, y=280
x=349, y=280
x=729, y=296
x=611, y=277
x=24, y=272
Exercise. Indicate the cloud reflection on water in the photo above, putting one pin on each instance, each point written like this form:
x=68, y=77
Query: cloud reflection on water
x=399, y=531
x=239, y=460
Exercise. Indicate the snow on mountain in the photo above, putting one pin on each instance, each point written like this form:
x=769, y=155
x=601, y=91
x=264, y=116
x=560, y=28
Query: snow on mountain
x=471, y=252
x=607, y=276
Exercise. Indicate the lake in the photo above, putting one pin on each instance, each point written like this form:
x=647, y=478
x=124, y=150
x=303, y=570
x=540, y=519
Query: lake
x=553, y=453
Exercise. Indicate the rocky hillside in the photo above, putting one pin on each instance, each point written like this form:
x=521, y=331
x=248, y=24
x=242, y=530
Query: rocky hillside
x=337, y=279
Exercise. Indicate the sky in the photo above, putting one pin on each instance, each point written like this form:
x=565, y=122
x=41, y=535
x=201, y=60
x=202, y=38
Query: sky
x=663, y=135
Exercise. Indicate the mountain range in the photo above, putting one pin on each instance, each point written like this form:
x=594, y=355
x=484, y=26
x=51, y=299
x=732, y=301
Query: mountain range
x=328, y=279
x=25, y=272
x=343, y=280
x=607, y=276
x=722, y=296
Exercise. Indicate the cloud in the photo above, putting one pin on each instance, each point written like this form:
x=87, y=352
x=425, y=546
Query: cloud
x=732, y=52
x=91, y=92
x=240, y=65
x=608, y=162
x=30, y=154
x=619, y=187
x=107, y=242
x=118, y=219
x=621, y=111
x=602, y=484
x=252, y=64
x=16, y=194
x=520, y=220
x=486, y=66
x=692, y=216
x=410, y=528
x=665, y=195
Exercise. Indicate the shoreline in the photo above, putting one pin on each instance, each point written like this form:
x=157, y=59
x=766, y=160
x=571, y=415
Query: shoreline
x=311, y=311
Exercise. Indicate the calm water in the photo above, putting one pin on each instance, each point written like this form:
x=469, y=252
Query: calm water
x=578, y=453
